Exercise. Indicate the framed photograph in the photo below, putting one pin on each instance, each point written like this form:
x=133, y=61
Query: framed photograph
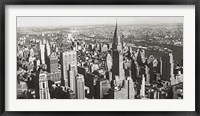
x=100, y=58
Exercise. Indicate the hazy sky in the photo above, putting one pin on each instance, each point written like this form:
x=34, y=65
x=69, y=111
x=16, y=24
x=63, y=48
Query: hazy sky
x=75, y=21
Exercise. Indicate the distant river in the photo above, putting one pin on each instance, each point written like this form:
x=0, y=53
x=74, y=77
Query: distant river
x=177, y=51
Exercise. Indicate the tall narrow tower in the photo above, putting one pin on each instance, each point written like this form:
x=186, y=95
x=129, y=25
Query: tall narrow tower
x=117, y=68
x=42, y=52
x=167, y=67
x=80, y=91
x=43, y=86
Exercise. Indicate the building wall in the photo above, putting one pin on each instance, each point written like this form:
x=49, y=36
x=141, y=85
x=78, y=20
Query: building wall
x=69, y=68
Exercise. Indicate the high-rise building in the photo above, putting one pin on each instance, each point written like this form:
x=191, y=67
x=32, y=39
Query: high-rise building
x=130, y=88
x=82, y=71
x=102, y=88
x=43, y=86
x=90, y=81
x=109, y=76
x=151, y=72
x=55, y=77
x=167, y=67
x=69, y=68
x=134, y=70
x=72, y=72
x=80, y=91
x=159, y=66
x=42, y=54
x=117, y=54
x=48, y=49
x=109, y=62
x=36, y=64
x=142, y=90
x=147, y=75
x=52, y=63
x=140, y=56
x=26, y=54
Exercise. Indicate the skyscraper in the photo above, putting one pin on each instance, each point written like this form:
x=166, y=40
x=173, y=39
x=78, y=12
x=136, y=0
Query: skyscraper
x=140, y=56
x=167, y=66
x=52, y=63
x=80, y=92
x=43, y=86
x=102, y=88
x=130, y=88
x=147, y=75
x=142, y=90
x=117, y=68
x=159, y=67
x=109, y=62
x=72, y=72
x=68, y=68
x=90, y=81
x=134, y=70
x=55, y=77
x=42, y=54
x=48, y=49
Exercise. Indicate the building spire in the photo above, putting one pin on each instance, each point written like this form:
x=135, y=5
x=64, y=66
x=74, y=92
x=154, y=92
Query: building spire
x=116, y=24
x=117, y=43
x=117, y=38
x=115, y=33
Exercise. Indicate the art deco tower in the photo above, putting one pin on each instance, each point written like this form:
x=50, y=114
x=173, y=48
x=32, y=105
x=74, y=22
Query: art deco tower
x=69, y=68
x=117, y=69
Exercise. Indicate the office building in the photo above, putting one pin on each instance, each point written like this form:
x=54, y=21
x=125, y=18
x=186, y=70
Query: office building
x=90, y=81
x=55, y=77
x=147, y=75
x=102, y=88
x=109, y=62
x=80, y=91
x=142, y=90
x=140, y=56
x=109, y=76
x=134, y=70
x=42, y=52
x=52, y=63
x=82, y=71
x=68, y=68
x=167, y=67
x=43, y=86
x=129, y=86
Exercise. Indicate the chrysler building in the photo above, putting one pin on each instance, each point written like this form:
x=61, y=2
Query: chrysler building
x=117, y=69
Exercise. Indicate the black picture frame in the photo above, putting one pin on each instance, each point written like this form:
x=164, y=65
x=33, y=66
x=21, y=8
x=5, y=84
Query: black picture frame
x=3, y=3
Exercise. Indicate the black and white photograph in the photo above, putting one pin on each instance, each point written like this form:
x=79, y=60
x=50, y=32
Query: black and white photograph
x=99, y=57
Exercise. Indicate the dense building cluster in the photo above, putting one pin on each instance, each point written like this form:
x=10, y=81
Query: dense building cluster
x=64, y=67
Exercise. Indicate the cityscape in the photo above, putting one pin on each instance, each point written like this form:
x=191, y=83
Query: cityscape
x=91, y=58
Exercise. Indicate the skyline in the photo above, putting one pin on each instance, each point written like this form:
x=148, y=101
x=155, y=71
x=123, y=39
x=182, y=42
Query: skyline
x=84, y=66
x=84, y=21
